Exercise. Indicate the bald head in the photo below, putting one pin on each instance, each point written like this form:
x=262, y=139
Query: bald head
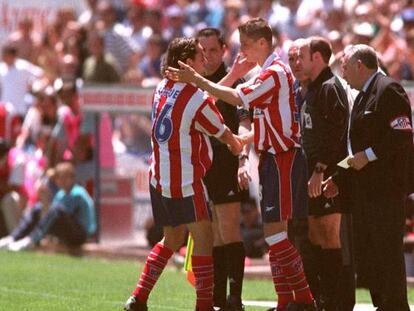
x=293, y=58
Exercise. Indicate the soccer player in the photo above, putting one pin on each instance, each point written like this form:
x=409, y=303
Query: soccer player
x=183, y=117
x=276, y=138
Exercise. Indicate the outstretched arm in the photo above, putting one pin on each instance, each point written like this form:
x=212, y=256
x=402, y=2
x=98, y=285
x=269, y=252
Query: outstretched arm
x=187, y=74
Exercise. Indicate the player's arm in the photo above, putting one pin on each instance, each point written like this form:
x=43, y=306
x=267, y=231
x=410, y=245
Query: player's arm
x=234, y=142
x=243, y=174
x=187, y=74
x=209, y=121
x=238, y=70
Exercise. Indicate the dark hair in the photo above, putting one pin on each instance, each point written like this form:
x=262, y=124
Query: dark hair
x=212, y=32
x=4, y=147
x=9, y=49
x=365, y=54
x=321, y=45
x=180, y=49
x=257, y=28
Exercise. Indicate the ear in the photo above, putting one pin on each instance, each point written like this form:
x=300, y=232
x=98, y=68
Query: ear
x=189, y=62
x=315, y=56
x=262, y=42
x=359, y=64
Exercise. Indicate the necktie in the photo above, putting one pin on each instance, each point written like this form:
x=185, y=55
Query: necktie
x=358, y=99
x=357, y=102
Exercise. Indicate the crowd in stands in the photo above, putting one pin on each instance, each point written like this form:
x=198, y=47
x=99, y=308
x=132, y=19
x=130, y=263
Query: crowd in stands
x=123, y=41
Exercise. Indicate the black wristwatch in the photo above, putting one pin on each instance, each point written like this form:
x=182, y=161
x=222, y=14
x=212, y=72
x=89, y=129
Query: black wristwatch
x=318, y=169
x=243, y=156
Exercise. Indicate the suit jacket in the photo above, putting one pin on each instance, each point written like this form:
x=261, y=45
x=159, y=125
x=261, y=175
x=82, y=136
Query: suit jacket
x=382, y=121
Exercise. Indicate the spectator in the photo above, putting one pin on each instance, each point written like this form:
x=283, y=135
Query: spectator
x=115, y=41
x=150, y=65
x=99, y=67
x=16, y=76
x=136, y=29
x=25, y=39
x=10, y=123
x=46, y=55
x=153, y=18
x=176, y=26
x=13, y=194
x=70, y=217
x=89, y=16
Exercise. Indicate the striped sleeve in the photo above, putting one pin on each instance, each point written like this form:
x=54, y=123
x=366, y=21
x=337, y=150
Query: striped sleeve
x=259, y=90
x=208, y=119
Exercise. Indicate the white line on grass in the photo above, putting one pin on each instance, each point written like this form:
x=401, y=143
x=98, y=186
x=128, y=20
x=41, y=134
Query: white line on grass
x=263, y=304
x=67, y=298
x=270, y=304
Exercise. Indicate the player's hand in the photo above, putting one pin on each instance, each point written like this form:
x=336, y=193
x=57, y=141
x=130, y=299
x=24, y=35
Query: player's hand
x=330, y=189
x=315, y=185
x=247, y=138
x=236, y=146
x=358, y=160
x=183, y=74
x=243, y=174
x=241, y=66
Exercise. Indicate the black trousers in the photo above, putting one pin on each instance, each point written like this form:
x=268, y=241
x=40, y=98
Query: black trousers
x=378, y=220
x=59, y=223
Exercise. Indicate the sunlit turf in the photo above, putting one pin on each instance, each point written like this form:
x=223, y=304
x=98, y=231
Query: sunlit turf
x=39, y=282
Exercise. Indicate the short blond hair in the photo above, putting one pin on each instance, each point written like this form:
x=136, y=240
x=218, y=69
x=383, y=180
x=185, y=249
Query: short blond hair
x=65, y=169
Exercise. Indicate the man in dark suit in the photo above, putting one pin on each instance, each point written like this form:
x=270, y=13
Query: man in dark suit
x=379, y=146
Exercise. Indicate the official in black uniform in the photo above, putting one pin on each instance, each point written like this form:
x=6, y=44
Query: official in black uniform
x=223, y=189
x=324, y=118
x=380, y=146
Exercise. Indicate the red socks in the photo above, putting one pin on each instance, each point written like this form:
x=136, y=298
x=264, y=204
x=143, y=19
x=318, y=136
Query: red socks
x=156, y=262
x=204, y=281
x=283, y=290
x=287, y=268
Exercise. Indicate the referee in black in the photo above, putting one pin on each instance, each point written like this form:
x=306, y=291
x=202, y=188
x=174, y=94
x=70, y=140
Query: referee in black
x=223, y=189
x=324, y=117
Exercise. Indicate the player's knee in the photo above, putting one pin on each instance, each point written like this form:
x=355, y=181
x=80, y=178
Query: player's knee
x=230, y=233
x=330, y=237
x=173, y=245
x=314, y=234
x=173, y=242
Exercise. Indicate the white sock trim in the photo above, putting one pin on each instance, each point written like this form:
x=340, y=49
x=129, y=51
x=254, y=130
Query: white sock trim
x=276, y=238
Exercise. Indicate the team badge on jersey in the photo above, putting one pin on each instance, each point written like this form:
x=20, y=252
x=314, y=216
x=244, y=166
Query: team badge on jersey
x=401, y=123
x=307, y=120
x=257, y=112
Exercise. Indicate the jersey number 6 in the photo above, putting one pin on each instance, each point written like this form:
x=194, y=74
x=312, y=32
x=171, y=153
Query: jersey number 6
x=164, y=125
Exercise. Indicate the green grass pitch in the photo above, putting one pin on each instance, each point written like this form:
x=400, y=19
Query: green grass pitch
x=38, y=282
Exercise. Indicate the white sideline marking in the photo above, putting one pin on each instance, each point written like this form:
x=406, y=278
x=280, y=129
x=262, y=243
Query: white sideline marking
x=263, y=304
x=270, y=304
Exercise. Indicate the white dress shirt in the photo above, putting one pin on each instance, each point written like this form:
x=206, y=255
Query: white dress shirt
x=15, y=81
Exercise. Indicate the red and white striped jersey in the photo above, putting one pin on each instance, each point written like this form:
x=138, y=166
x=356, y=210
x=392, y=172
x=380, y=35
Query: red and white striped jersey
x=183, y=117
x=270, y=95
